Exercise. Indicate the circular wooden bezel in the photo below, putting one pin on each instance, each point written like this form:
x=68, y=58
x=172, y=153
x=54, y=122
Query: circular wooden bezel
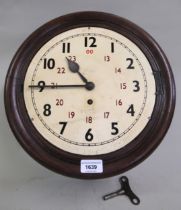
x=115, y=162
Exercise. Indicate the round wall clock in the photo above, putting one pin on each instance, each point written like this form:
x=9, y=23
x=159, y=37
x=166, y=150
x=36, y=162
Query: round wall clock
x=89, y=95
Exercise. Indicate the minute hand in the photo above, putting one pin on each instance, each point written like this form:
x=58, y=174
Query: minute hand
x=88, y=86
x=56, y=86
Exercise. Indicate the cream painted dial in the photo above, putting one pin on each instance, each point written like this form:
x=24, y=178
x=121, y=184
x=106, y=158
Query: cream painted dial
x=96, y=119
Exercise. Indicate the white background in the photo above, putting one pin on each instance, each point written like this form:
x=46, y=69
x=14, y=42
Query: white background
x=26, y=185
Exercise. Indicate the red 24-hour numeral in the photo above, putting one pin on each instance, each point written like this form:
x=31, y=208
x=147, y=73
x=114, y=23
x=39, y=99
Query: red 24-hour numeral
x=123, y=86
x=71, y=114
x=119, y=102
x=118, y=70
x=72, y=58
x=107, y=58
x=89, y=119
x=59, y=102
x=106, y=115
x=61, y=70
x=89, y=52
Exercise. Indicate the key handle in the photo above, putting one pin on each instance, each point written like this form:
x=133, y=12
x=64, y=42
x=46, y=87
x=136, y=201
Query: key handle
x=124, y=190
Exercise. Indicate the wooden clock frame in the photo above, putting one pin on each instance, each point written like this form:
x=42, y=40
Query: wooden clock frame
x=115, y=162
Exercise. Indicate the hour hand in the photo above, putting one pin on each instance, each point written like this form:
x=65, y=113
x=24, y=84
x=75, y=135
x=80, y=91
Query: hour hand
x=74, y=67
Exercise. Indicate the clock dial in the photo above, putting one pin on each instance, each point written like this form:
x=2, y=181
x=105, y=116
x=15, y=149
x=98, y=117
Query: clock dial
x=89, y=91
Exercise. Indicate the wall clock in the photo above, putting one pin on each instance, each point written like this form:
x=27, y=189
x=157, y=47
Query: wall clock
x=89, y=95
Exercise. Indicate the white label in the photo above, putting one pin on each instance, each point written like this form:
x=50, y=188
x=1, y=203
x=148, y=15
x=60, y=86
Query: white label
x=91, y=166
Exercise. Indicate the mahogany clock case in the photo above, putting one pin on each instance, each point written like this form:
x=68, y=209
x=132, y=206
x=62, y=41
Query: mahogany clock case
x=67, y=163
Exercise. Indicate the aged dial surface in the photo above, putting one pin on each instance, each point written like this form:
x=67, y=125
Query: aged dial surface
x=89, y=91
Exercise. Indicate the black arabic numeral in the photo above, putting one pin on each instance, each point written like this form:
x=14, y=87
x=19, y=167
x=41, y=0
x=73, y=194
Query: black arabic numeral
x=63, y=126
x=137, y=87
x=131, y=110
x=90, y=42
x=130, y=66
x=112, y=47
x=47, y=110
x=115, y=130
x=48, y=63
x=41, y=85
x=89, y=136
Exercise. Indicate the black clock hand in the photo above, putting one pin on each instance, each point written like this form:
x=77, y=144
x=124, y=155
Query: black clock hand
x=88, y=86
x=55, y=86
x=74, y=67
